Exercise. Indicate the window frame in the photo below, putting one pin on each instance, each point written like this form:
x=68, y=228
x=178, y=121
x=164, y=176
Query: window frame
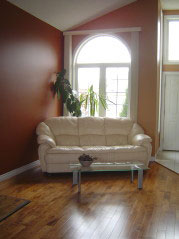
x=102, y=66
x=167, y=19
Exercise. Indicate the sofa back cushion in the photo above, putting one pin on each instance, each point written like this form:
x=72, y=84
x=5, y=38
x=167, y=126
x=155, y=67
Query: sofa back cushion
x=91, y=126
x=115, y=140
x=92, y=140
x=91, y=131
x=65, y=130
x=117, y=126
x=63, y=125
x=67, y=140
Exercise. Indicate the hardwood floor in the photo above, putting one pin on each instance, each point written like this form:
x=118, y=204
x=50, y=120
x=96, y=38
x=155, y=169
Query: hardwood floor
x=108, y=207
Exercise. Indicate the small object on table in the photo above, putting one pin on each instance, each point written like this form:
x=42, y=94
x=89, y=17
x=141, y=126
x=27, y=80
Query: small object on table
x=86, y=160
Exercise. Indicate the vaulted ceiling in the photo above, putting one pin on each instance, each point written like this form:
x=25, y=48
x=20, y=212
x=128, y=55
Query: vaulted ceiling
x=65, y=14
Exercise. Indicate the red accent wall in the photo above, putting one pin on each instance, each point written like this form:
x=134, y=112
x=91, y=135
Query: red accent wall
x=31, y=52
x=142, y=13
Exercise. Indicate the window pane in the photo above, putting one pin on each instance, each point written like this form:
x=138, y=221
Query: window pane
x=122, y=110
x=86, y=78
x=104, y=49
x=122, y=85
x=121, y=98
x=117, y=79
x=111, y=111
x=112, y=97
x=117, y=91
x=173, y=54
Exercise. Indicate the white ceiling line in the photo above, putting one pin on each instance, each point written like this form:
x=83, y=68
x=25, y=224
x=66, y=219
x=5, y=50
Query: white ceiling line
x=115, y=30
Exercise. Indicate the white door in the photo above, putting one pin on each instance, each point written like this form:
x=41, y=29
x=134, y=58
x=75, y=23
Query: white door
x=171, y=112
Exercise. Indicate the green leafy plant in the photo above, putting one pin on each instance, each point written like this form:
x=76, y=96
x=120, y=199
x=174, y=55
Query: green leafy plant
x=125, y=106
x=92, y=99
x=64, y=92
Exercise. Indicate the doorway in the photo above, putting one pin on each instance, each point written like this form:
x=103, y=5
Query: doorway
x=169, y=140
x=169, y=121
x=170, y=114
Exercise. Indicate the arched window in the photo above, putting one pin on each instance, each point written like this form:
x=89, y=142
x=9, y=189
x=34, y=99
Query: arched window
x=104, y=62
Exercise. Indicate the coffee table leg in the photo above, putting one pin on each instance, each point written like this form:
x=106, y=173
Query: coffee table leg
x=79, y=181
x=132, y=176
x=75, y=177
x=140, y=178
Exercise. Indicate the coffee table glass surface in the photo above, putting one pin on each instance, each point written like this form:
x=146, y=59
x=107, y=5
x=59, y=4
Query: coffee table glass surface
x=77, y=168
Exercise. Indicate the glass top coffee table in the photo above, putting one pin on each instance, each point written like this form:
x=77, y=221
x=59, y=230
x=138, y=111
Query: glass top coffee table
x=107, y=167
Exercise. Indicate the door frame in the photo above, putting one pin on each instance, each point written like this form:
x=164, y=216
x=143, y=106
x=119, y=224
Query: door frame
x=163, y=85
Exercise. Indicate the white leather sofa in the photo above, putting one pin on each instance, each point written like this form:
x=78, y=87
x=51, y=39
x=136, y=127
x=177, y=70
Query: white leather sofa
x=63, y=139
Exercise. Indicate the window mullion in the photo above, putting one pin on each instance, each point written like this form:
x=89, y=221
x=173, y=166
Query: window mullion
x=102, y=89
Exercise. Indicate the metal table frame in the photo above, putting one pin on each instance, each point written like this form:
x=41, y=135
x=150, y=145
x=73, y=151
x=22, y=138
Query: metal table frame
x=77, y=176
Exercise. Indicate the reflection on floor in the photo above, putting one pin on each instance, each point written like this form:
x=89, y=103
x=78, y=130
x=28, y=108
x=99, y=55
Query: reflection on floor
x=169, y=159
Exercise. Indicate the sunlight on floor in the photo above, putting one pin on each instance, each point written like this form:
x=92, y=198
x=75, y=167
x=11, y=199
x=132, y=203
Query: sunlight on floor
x=169, y=159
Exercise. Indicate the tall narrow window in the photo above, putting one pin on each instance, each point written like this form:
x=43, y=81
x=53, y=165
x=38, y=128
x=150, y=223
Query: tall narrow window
x=104, y=62
x=171, y=33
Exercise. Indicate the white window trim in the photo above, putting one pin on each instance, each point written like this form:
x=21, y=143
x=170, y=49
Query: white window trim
x=107, y=31
x=102, y=66
x=167, y=19
x=134, y=61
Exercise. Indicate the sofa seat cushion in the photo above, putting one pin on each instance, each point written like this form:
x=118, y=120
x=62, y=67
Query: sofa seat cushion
x=96, y=149
x=63, y=155
x=70, y=154
x=128, y=148
x=117, y=153
x=66, y=150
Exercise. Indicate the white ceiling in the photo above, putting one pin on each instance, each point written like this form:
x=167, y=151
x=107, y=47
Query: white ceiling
x=170, y=4
x=65, y=14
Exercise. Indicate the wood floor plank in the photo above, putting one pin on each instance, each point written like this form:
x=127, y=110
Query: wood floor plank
x=109, y=206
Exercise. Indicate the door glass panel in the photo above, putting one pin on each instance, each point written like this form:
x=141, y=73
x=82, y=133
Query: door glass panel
x=117, y=91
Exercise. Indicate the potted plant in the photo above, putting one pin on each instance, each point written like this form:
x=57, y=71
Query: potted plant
x=86, y=160
x=64, y=92
x=92, y=99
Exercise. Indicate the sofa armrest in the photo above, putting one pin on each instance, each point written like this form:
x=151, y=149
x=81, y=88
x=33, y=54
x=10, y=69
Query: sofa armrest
x=141, y=139
x=42, y=150
x=144, y=141
x=44, y=139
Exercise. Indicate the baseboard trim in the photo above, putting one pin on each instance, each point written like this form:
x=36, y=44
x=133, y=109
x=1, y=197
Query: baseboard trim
x=152, y=159
x=17, y=171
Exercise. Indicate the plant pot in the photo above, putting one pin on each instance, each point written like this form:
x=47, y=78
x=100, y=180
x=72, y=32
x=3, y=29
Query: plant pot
x=85, y=163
